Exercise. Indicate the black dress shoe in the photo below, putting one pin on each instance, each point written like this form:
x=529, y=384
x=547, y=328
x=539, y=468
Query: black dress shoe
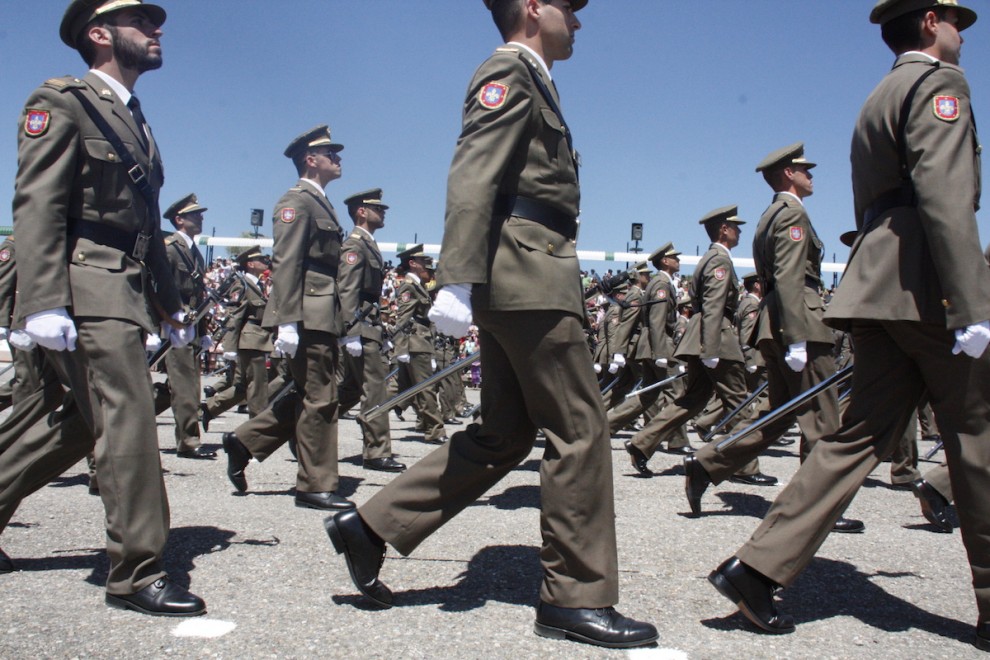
x=442, y=440
x=209, y=391
x=242, y=409
x=398, y=413
x=783, y=441
x=686, y=450
x=238, y=458
x=639, y=459
x=6, y=563
x=205, y=417
x=753, y=595
x=700, y=430
x=982, y=640
x=364, y=552
x=160, y=598
x=758, y=479
x=325, y=501
x=696, y=481
x=848, y=526
x=934, y=507
x=601, y=627
x=199, y=453
x=384, y=464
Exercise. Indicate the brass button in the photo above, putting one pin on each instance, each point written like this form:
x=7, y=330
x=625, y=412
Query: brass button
x=945, y=303
x=111, y=156
x=549, y=248
x=82, y=256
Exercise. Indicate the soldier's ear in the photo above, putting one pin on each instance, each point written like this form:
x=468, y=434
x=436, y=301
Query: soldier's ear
x=99, y=35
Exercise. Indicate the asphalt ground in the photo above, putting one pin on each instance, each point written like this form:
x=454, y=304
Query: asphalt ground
x=275, y=588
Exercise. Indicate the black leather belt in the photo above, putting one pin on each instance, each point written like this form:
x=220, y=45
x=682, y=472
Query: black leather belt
x=549, y=216
x=127, y=242
x=321, y=268
x=903, y=196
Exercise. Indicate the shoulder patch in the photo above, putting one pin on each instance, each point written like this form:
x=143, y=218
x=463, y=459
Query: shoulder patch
x=796, y=233
x=493, y=95
x=5, y=255
x=36, y=122
x=661, y=294
x=287, y=215
x=351, y=258
x=720, y=273
x=946, y=108
x=405, y=297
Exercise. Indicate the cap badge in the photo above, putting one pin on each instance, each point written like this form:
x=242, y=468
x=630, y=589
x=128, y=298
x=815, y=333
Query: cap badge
x=493, y=95
x=36, y=122
x=946, y=108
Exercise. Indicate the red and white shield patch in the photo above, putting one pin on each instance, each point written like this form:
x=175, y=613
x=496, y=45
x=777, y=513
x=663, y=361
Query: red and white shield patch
x=5, y=254
x=720, y=273
x=946, y=108
x=405, y=297
x=351, y=258
x=287, y=215
x=37, y=122
x=661, y=294
x=796, y=233
x=493, y=95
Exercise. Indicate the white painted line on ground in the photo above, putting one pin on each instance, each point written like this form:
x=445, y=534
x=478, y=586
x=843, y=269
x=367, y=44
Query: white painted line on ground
x=209, y=628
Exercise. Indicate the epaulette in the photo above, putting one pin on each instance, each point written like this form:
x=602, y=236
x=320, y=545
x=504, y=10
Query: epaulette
x=507, y=49
x=65, y=83
x=171, y=238
x=355, y=234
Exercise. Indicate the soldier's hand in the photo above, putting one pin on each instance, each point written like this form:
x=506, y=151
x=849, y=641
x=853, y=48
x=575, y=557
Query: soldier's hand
x=619, y=359
x=21, y=341
x=288, y=339
x=972, y=340
x=433, y=364
x=751, y=368
x=404, y=358
x=451, y=312
x=152, y=343
x=660, y=362
x=598, y=368
x=352, y=345
x=53, y=329
x=230, y=356
x=180, y=335
x=711, y=363
x=797, y=356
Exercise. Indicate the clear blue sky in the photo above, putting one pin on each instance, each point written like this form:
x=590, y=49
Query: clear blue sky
x=672, y=104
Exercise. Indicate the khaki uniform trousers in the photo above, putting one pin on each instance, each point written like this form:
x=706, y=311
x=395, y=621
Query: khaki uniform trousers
x=538, y=374
x=418, y=369
x=182, y=365
x=364, y=383
x=249, y=384
x=114, y=398
x=309, y=415
x=727, y=380
x=818, y=418
x=895, y=361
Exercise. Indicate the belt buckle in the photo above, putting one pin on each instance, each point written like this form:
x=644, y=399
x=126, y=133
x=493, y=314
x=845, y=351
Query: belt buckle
x=141, y=246
x=136, y=173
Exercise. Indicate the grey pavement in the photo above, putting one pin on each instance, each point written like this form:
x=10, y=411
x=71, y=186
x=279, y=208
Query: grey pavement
x=275, y=588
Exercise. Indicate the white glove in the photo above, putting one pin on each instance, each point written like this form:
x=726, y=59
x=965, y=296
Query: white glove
x=183, y=335
x=711, y=363
x=276, y=353
x=206, y=342
x=619, y=359
x=4, y=333
x=288, y=339
x=613, y=367
x=451, y=312
x=751, y=368
x=230, y=356
x=660, y=362
x=404, y=358
x=389, y=345
x=21, y=341
x=53, y=329
x=681, y=368
x=353, y=345
x=433, y=364
x=598, y=368
x=972, y=340
x=152, y=343
x=797, y=355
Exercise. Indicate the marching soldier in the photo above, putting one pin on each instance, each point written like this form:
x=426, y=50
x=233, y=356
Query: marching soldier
x=305, y=308
x=360, y=286
x=246, y=342
x=90, y=242
x=182, y=364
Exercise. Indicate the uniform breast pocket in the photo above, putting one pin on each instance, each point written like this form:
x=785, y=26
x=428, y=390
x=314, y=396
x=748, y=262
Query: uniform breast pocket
x=554, y=134
x=108, y=177
x=328, y=237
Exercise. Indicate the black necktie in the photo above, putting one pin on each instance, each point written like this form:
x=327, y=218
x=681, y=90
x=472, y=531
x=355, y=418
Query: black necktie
x=135, y=107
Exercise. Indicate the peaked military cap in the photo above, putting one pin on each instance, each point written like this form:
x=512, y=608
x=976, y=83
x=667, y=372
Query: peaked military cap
x=665, y=250
x=187, y=204
x=250, y=253
x=641, y=267
x=575, y=4
x=723, y=214
x=750, y=276
x=847, y=238
x=80, y=12
x=314, y=137
x=415, y=252
x=888, y=10
x=371, y=197
x=784, y=157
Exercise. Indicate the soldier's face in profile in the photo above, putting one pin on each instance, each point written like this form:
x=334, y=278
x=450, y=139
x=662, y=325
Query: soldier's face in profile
x=801, y=177
x=557, y=27
x=374, y=216
x=136, y=41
